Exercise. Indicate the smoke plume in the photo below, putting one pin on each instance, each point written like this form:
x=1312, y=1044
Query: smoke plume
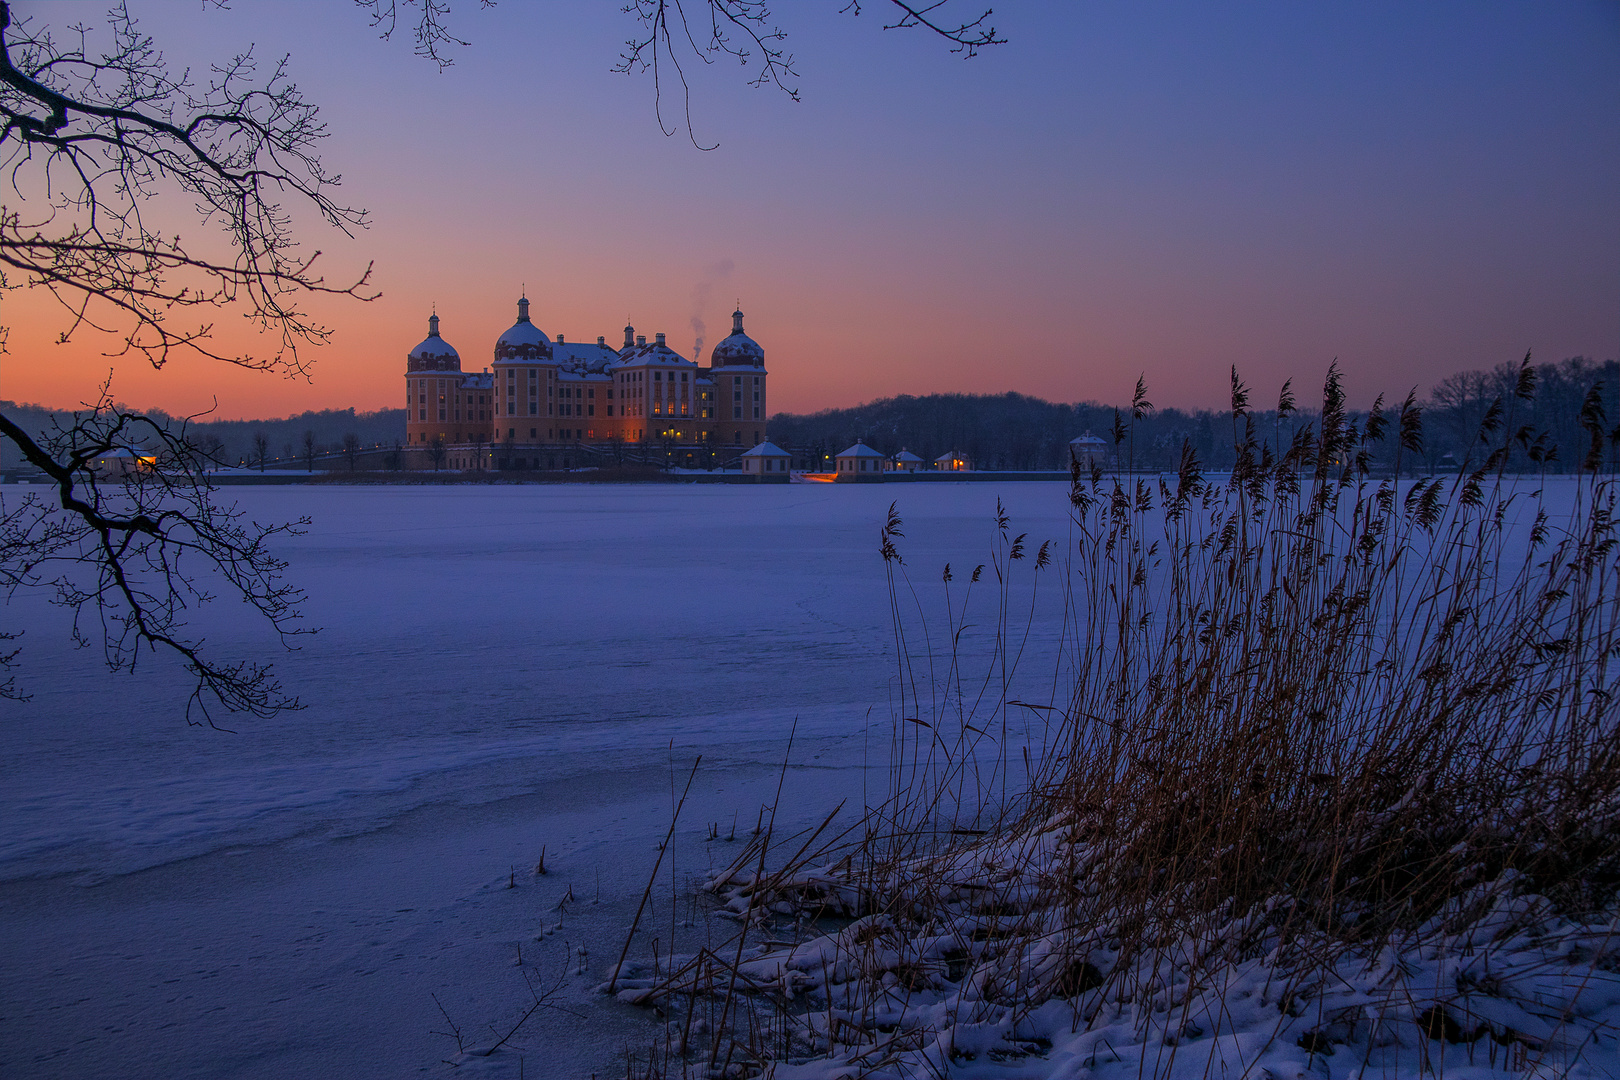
x=702, y=292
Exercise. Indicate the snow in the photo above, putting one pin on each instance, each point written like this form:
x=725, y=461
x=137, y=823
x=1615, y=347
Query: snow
x=501, y=670
x=521, y=333
x=1518, y=991
x=432, y=347
x=513, y=672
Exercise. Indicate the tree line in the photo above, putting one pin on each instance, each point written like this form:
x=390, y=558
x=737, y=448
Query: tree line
x=1018, y=432
x=284, y=443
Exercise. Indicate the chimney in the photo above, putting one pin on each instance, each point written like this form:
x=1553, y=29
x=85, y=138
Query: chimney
x=560, y=340
x=601, y=340
x=660, y=339
x=641, y=339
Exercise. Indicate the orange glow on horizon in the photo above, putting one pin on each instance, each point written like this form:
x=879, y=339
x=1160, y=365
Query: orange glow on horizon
x=1106, y=197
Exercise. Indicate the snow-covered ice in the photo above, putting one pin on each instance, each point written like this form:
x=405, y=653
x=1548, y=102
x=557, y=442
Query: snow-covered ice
x=500, y=670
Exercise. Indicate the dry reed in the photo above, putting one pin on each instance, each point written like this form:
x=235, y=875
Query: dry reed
x=1317, y=727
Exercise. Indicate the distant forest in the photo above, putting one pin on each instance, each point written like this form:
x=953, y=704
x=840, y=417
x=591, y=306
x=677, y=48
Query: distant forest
x=285, y=438
x=1015, y=431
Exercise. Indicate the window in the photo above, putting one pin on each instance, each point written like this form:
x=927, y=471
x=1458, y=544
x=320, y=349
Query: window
x=532, y=434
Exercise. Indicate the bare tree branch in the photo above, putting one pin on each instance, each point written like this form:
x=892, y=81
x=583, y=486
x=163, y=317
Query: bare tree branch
x=431, y=37
x=744, y=30
x=131, y=556
x=90, y=140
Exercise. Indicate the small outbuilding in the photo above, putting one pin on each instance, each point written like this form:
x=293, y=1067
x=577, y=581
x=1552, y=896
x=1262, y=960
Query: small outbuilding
x=953, y=462
x=768, y=463
x=860, y=462
x=121, y=461
x=1088, y=451
x=905, y=461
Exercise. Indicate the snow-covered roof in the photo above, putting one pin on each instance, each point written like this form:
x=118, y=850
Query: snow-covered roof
x=738, y=350
x=588, y=356
x=860, y=450
x=1088, y=440
x=653, y=352
x=524, y=341
x=907, y=455
x=433, y=346
x=767, y=449
x=478, y=381
x=950, y=456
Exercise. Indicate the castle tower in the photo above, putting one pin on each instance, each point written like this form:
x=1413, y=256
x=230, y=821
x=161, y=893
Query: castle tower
x=433, y=390
x=525, y=384
x=738, y=373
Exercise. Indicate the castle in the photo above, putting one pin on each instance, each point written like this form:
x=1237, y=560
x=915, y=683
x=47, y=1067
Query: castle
x=547, y=404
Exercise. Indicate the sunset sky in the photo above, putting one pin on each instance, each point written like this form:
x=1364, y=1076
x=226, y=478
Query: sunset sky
x=1122, y=189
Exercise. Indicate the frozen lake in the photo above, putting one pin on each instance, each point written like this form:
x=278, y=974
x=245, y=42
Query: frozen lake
x=499, y=670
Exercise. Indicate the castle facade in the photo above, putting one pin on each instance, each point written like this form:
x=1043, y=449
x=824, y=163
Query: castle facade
x=544, y=404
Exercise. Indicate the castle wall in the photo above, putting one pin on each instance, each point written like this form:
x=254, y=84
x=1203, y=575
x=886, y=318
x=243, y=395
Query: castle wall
x=643, y=395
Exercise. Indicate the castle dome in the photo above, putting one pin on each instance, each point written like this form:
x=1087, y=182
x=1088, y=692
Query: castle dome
x=524, y=341
x=435, y=353
x=738, y=350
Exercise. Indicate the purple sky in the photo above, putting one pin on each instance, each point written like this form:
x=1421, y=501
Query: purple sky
x=1122, y=189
